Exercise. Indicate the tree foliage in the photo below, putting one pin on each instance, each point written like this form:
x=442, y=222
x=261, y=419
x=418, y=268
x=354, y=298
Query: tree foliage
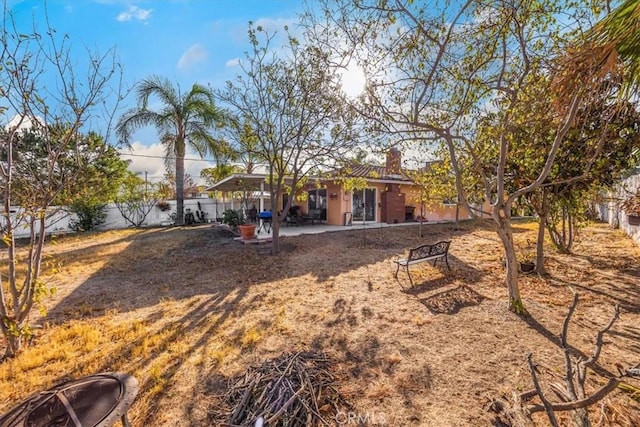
x=86, y=175
x=595, y=151
x=46, y=107
x=614, y=42
x=85, y=167
x=460, y=75
x=294, y=108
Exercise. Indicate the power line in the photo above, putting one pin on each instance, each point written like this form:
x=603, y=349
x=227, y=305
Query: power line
x=149, y=156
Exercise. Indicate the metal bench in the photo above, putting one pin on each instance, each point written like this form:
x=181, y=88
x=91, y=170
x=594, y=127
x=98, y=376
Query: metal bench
x=428, y=252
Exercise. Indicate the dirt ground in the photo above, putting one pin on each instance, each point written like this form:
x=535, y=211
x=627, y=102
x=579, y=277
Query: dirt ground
x=186, y=310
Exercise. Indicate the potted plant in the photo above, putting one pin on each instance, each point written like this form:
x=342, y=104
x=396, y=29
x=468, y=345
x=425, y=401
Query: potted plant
x=526, y=256
x=237, y=222
x=631, y=206
x=163, y=205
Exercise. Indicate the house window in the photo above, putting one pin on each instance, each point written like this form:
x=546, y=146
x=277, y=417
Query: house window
x=364, y=204
x=317, y=201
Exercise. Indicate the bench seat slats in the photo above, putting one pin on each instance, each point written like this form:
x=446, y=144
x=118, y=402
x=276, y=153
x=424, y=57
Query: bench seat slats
x=405, y=261
x=422, y=253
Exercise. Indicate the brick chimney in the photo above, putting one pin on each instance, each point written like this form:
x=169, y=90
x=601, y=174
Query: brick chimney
x=394, y=161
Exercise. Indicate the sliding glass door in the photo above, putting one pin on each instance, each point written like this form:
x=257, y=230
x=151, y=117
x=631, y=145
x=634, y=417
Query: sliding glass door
x=364, y=205
x=317, y=201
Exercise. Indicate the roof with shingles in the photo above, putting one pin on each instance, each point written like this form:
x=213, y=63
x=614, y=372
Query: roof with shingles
x=369, y=172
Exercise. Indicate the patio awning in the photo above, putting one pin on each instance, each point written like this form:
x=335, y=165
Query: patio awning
x=241, y=182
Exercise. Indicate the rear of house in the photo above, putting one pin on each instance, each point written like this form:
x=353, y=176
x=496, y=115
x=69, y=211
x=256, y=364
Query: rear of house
x=383, y=194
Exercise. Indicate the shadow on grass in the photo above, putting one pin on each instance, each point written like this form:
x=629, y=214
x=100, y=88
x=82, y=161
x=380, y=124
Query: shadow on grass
x=452, y=301
x=555, y=338
x=178, y=263
x=206, y=267
x=614, y=278
x=460, y=271
x=449, y=301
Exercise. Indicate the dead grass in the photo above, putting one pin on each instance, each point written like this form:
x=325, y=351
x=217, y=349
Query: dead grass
x=185, y=310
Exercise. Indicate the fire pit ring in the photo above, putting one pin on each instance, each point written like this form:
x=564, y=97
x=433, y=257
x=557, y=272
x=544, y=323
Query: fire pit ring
x=95, y=401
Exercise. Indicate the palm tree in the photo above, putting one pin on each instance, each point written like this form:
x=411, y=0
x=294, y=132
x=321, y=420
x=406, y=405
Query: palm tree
x=619, y=32
x=182, y=119
x=609, y=52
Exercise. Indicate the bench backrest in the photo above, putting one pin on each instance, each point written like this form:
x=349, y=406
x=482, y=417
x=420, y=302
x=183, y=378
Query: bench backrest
x=424, y=251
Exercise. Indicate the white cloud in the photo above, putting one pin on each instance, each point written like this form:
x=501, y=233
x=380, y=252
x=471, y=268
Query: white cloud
x=195, y=54
x=146, y=158
x=134, y=12
x=232, y=63
x=353, y=80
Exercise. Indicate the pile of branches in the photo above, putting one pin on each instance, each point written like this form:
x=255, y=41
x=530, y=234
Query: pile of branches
x=294, y=389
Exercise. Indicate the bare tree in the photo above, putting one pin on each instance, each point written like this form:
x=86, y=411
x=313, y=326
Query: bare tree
x=135, y=201
x=295, y=109
x=41, y=90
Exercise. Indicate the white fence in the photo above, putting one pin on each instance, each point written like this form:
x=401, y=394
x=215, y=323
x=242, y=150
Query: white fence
x=59, y=220
x=611, y=212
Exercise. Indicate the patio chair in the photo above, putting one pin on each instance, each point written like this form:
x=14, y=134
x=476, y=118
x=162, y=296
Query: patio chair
x=252, y=215
x=294, y=217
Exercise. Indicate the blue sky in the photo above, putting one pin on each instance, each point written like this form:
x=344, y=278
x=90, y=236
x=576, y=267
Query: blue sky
x=187, y=41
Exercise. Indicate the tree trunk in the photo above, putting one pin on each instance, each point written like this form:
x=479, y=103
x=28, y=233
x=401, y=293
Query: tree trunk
x=14, y=344
x=563, y=241
x=275, y=233
x=540, y=246
x=179, y=187
x=543, y=213
x=277, y=217
x=502, y=216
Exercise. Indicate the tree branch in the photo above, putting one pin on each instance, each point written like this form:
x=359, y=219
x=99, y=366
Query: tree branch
x=547, y=405
x=583, y=403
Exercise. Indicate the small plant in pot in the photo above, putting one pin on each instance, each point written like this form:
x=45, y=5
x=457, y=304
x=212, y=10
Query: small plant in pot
x=237, y=221
x=233, y=218
x=526, y=257
x=163, y=205
x=631, y=206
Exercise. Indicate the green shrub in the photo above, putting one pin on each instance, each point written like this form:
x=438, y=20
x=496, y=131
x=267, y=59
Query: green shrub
x=232, y=218
x=89, y=215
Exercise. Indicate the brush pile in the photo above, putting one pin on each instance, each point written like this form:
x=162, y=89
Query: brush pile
x=293, y=390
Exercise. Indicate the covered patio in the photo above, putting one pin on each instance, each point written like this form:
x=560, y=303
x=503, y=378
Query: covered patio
x=245, y=182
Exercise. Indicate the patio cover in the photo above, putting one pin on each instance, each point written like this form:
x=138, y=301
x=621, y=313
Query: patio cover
x=253, y=182
x=241, y=182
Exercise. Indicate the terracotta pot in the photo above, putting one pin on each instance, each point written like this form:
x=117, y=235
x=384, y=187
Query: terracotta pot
x=527, y=266
x=247, y=231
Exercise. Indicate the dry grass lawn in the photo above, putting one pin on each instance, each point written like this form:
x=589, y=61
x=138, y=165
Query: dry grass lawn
x=185, y=310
